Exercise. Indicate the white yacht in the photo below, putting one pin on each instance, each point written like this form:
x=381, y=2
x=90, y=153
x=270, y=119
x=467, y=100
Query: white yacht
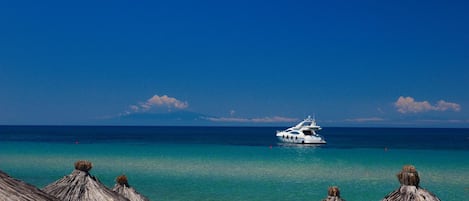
x=303, y=133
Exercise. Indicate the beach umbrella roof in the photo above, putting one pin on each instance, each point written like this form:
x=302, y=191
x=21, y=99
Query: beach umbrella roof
x=333, y=194
x=123, y=188
x=410, y=189
x=80, y=185
x=13, y=189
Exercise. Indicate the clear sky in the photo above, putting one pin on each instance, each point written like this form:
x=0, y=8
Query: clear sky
x=360, y=63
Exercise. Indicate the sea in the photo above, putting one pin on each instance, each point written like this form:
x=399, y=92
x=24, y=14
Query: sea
x=184, y=163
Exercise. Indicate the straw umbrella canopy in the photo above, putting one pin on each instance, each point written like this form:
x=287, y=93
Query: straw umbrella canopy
x=80, y=185
x=333, y=194
x=12, y=189
x=123, y=188
x=410, y=189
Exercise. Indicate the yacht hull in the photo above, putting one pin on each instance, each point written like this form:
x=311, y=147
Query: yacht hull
x=296, y=139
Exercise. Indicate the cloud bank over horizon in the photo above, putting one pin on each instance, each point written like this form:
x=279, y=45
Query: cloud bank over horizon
x=365, y=119
x=166, y=103
x=409, y=105
x=274, y=119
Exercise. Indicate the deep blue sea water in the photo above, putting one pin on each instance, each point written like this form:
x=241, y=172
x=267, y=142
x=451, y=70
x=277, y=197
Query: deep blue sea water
x=241, y=163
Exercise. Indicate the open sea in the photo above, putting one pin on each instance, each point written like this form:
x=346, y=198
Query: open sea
x=242, y=163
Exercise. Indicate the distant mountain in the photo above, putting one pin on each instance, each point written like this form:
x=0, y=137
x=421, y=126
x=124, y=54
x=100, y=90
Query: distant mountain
x=186, y=118
x=176, y=118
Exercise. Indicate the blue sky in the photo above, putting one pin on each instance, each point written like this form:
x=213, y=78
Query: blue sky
x=350, y=63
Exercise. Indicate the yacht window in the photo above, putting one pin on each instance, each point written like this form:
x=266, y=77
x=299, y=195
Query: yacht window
x=295, y=132
x=306, y=132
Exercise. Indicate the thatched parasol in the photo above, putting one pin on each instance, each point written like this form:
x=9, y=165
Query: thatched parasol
x=12, y=189
x=410, y=189
x=123, y=188
x=333, y=194
x=80, y=185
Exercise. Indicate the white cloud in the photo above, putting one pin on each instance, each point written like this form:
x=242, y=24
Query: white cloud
x=166, y=101
x=275, y=119
x=443, y=106
x=159, y=102
x=409, y=105
x=134, y=108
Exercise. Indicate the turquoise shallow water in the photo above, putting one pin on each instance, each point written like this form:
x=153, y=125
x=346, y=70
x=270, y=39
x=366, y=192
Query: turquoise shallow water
x=178, y=171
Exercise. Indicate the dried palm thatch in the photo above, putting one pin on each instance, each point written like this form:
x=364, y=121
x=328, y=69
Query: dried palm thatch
x=122, y=180
x=83, y=166
x=12, y=189
x=123, y=188
x=410, y=189
x=80, y=185
x=333, y=194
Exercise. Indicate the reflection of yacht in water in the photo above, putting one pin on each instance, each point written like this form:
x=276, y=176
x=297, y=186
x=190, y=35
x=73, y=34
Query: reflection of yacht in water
x=303, y=133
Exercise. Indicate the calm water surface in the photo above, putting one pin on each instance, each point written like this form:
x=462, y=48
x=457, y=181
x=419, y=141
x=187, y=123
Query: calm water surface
x=242, y=163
